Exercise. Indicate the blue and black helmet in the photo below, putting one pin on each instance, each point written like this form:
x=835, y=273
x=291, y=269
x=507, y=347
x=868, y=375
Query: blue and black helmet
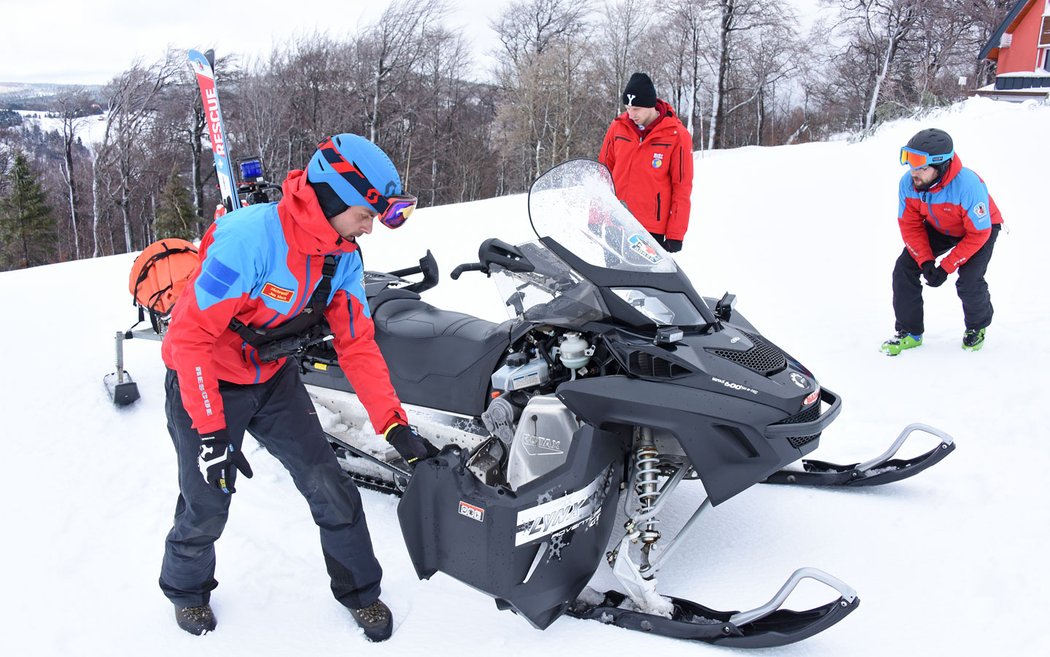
x=348, y=170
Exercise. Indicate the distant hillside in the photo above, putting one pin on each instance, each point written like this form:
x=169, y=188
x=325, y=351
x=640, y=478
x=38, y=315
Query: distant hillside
x=38, y=96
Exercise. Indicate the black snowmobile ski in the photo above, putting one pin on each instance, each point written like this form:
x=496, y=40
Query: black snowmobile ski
x=767, y=626
x=882, y=469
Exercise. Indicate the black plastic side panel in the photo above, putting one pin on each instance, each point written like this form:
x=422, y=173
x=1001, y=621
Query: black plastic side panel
x=721, y=434
x=533, y=550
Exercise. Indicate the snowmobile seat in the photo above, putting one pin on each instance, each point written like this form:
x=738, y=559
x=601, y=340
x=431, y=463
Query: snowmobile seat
x=439, y=358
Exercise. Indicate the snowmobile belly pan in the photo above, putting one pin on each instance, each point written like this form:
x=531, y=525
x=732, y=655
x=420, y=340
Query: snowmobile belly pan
x=533, y=549
x=732, y=443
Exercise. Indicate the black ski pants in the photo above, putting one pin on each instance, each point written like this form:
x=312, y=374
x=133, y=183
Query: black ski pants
x=280, y=415
x=971, y=286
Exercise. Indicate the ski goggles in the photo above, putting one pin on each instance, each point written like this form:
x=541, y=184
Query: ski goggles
x=398, y=209
x=917, y=159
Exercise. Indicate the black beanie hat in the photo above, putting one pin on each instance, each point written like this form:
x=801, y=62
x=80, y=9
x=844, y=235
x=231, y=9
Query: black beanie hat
x=639, y=91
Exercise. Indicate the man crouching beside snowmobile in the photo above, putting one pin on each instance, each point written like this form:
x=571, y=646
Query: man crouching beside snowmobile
x=268, y=272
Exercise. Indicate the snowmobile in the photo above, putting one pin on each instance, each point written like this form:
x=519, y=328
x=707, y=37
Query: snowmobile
x=612, y=384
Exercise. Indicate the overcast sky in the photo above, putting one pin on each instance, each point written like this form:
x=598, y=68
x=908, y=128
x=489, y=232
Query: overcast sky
x=91, y=41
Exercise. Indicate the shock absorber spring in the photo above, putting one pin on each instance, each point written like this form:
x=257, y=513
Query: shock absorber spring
x=646, y=484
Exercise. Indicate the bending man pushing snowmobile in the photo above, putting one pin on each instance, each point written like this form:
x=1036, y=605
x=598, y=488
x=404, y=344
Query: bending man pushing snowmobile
x=268, y=273
x=945, y=208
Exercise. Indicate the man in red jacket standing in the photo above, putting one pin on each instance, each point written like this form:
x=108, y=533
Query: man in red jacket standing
x=650, y=155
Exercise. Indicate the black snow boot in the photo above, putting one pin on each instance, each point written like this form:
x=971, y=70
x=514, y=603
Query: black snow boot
x=375, y=619
x=195, y=620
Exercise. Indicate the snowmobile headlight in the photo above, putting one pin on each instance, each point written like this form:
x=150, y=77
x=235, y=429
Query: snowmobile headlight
x=663, y=308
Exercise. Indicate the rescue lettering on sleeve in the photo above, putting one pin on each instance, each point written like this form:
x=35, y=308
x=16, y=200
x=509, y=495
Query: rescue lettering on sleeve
x=204, y=392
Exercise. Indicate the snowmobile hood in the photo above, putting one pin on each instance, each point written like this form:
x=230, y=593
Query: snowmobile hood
x=305, y=226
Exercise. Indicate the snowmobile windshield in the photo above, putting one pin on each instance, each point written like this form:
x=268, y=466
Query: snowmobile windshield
x=574, y=204
x=552, y=293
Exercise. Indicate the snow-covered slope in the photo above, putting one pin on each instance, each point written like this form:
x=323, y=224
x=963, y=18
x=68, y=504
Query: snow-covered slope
x=949, y=563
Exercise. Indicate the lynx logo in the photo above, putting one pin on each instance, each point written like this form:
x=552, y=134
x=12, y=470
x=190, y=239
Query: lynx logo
x=471, y=511
x=980, y=210
x=734, y=340
x=278, y=293
x=572, y=510
x=799, y=380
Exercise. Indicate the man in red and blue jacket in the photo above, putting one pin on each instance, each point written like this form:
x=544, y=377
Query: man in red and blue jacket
x=944, y=209
x=262, y=268
x=650, y=155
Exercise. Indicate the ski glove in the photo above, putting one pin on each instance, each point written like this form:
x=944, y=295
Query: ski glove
x=409, y=444
x=934, y=275
x=219, y=461
x=673, y=246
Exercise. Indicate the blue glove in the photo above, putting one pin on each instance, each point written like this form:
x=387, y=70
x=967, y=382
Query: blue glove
x=219, y=461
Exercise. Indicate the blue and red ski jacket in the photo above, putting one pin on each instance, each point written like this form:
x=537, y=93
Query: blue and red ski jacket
x=958, y=205
x=652, y=170
x=260, y=265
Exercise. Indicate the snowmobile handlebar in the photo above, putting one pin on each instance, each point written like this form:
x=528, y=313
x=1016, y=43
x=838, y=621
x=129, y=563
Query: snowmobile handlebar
x=427, y=267
x=470, y=266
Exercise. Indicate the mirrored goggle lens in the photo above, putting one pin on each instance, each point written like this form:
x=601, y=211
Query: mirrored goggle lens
x=914, y=159
x=398, y=211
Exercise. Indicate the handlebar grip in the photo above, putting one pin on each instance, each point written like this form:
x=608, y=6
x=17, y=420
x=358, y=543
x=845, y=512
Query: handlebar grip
x=473, y=266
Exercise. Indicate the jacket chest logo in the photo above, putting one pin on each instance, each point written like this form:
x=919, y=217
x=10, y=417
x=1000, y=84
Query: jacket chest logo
x=277, y=293
x=658, y=160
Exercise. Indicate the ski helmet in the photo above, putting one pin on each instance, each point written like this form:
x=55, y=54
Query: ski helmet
x=929, y=147
x=348, y=170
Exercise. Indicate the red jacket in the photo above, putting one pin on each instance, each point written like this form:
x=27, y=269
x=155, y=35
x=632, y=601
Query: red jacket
x=652, y=170
x=260, y=265
x=958, y=205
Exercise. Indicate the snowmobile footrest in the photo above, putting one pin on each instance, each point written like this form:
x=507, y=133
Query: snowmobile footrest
x=882, y=469
x=760, y=628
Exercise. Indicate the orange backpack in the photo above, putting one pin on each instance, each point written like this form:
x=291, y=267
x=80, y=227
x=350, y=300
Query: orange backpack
x=159, y=274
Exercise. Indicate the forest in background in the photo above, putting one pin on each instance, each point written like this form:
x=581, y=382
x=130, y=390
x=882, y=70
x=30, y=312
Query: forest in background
x=737, y=72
